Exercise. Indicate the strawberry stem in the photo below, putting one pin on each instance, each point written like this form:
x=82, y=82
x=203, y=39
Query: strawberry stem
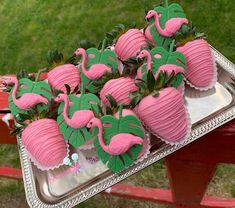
x=166, y=3
x=104, y=44
x=120, y=111
x=39, y=73
x=172, y=46
x=82, y=89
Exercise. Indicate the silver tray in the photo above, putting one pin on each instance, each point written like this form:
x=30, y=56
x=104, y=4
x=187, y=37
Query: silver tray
x=208, y=110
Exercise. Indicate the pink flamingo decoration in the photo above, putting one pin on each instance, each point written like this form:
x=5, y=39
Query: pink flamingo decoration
x=95, y=71
x=79, y=119
x=169, y=68
x=27, y=100
x=119, y=143
x=171, y=26
x=144, y=54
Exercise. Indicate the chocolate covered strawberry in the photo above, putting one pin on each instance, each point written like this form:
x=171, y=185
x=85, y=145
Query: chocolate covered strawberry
x=61, y=74
x=130, y=43
x=201, y=69
x=119, y=89
x=44, y=143
x=161, y=108
x=64, y=74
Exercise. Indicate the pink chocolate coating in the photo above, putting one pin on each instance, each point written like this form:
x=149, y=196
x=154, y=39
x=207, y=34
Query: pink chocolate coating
x=120, y=89
x=64, y=74
x=200, y=66
x=125, y=112
x=148, y=34
x=45, y=144
x=130, y=43
x=165, y=115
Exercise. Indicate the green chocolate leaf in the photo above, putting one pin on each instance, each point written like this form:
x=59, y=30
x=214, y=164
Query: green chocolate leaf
x=161, y=57
x=28, y=86
x=113, y=126
x=168, y=12
x=77, y=137
x=106, y=57
x=158, y=39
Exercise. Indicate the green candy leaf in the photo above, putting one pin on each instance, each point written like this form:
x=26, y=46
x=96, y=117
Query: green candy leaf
x=161, y=57
x=158, y=39
x=113, y=126
x=94, y=56
x=168, y=12
x=28, y=86
x=77, y=137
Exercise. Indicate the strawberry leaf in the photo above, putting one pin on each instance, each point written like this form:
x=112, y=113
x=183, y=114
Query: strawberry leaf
x=150, y=81
x=68, y=89
x=155, y=93
x=111, y=100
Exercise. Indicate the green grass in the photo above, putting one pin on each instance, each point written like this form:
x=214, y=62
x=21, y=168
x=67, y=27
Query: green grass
x=30, y=28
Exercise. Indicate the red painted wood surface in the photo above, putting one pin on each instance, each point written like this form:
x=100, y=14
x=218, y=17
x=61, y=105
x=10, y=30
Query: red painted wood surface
x=191, y=168
x=12, y=173
x=164, y=196
x=5, y=137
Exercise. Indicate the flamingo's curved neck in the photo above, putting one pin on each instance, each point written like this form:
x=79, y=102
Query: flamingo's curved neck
x=149, y=61
x=66, y=108
x=84, y=60
x=158, y=26
x=100, y=135
x=14, y=92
